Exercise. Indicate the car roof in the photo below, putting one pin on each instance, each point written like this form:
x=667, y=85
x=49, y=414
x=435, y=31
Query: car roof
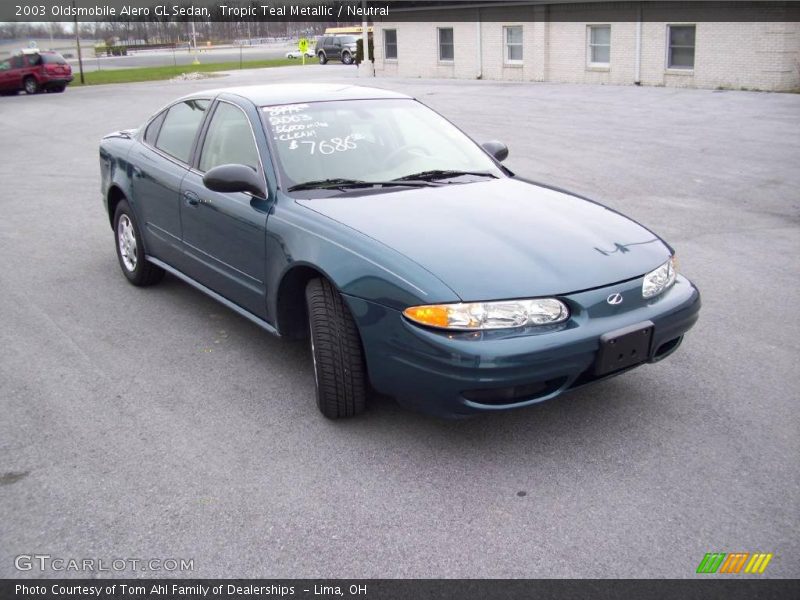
x=268, y=95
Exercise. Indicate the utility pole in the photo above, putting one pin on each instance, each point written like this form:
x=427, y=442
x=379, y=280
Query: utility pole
x=365, y=69
x=78, y=43
x=194, y=43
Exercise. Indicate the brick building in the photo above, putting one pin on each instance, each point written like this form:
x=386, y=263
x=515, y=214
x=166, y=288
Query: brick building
x=731, y=45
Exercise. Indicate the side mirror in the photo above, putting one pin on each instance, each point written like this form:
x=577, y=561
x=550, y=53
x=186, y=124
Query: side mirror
x=234, y=178
x=497, y=149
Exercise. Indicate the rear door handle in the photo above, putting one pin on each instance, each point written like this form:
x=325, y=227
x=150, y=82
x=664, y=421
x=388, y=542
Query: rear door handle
x=191, y=199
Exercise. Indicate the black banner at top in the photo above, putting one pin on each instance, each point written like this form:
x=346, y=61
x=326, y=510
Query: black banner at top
x=357, y=11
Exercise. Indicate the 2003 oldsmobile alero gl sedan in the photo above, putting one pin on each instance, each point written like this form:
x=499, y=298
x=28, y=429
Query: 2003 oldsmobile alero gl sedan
x=414, y=261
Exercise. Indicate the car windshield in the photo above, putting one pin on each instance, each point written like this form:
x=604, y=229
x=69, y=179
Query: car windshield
x=370, y=141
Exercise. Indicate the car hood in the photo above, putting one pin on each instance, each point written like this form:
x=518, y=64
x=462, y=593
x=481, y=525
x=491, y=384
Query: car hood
x=503, y=238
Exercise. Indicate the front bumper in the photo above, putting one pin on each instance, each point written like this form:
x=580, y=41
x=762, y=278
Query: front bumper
x=461, y=373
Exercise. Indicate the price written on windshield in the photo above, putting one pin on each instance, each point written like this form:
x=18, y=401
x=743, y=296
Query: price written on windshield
x=335, y=144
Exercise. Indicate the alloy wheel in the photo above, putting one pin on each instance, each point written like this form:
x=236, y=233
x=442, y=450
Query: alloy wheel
x=127, y=242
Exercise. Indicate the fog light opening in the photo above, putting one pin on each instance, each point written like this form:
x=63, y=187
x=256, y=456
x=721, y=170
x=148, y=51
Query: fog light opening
x=513, y=394
x=667, y=348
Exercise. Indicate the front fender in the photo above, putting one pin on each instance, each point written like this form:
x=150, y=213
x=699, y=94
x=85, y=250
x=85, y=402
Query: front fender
x=355, y=263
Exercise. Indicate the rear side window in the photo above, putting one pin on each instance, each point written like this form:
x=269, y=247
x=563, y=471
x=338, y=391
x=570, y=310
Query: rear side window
x=180, y=128
x=34, y=60
x=151, y=133
x=53, y=59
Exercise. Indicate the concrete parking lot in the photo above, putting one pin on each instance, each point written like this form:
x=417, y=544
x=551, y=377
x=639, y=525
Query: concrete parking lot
x=155, y=423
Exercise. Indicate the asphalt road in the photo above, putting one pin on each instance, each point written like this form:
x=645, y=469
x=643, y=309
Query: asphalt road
x=154, y=423
x=183, y=56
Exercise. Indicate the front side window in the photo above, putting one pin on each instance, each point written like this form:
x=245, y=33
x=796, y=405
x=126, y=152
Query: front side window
x=229, y=140
x=180, y=128
x=513, y=37
x=16, y=62
x=446, y=50
x=680, y=54
x=390, y=44
x=367, y=140
x=599, y=45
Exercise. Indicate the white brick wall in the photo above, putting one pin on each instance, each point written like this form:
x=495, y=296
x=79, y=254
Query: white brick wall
x=730, y=54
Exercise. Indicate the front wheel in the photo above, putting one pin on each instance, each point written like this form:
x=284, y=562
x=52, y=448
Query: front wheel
x=339, y=368
x=322, y=58
x=31, y=86
x=130, y=251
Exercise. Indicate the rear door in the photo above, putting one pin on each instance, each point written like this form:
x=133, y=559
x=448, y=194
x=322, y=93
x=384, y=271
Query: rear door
x=225, y=234
x=336, y=48
x=159, y=165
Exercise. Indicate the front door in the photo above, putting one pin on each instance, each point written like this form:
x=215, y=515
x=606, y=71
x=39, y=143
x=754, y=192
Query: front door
x=224, y=235
x=5, y=76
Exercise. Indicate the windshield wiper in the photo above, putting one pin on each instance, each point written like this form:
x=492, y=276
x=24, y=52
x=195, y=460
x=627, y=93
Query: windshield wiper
x=338, y=183
x=443, y=174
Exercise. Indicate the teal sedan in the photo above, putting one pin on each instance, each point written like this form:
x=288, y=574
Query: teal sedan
x=416, y=264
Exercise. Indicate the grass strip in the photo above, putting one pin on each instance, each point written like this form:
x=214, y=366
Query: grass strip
x=168, y=72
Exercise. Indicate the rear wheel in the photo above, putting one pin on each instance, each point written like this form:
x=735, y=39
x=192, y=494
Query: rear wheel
x=130, y=251
x=347, y=58
x=30, y=85
x=322, y=58
x=59, y=88
x=339, y=368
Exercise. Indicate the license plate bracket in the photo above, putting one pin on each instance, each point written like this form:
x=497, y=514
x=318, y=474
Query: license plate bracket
x=624, y=347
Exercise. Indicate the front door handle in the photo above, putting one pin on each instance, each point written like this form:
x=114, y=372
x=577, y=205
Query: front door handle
x=191, y=199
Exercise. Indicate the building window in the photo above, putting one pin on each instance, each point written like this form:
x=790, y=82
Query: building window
x=599, y=45
x=390, y=44
x=513, y=37
x=446, y=52
x=680, y=54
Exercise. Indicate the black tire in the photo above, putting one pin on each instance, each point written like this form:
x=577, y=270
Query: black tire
x=30, y=85
x=339, y=368
x=59, y=89
x=347, y=58
x=322, y=58
x=133, y=263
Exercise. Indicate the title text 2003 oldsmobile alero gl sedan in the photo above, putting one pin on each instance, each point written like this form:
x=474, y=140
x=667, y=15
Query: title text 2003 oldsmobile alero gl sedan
x=411, y=257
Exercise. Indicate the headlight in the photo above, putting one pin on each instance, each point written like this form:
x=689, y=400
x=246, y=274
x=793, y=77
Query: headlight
x=660, y=279
x=489, y=315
